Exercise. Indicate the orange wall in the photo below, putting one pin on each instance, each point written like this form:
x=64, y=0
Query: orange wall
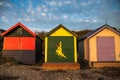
x=19, y=43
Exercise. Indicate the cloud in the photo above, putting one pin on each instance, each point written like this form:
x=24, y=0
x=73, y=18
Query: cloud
x=8, y=4
x=98, y=1
x=19, y=19
x=36, y=29
x=43, y=14
x=44, y=8
x=38, y=9
x=65, y=16
x=55, y=17
x=1, y=3
x=30, y=9
x=53, y=12
x=59, y=3
x=83, y=19
x=4, y=19
x=52, y=3
x=27, y=19
x=80, y=20
x=87, y=3
x=95, y=20
x=41, y=8
x=67, y=2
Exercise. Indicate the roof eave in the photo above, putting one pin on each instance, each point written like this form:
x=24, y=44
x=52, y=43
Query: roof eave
x=58, y=27
x=12, y=27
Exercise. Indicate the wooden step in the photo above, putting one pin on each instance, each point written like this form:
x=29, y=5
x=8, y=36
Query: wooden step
x=63, y=66
x=106, y=64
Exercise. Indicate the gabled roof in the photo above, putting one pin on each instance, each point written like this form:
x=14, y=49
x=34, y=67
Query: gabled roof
x=94, y=32
x=58, y=27
x=15, y=26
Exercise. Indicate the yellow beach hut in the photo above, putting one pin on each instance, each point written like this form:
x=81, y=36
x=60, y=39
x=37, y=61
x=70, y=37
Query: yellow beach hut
x=60, y=49
x=101, y=47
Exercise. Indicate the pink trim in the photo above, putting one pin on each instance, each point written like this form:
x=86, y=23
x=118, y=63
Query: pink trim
x=103, y=29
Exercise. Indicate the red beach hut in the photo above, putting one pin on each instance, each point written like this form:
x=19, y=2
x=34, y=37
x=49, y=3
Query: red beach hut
x=21, y=44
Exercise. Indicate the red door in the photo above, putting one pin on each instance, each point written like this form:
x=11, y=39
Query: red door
x=11, y=43
x=106, y=48
x=27, y=43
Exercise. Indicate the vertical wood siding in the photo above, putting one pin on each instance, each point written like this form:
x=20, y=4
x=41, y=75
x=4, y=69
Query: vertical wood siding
x=81, y=49
x=19, y=43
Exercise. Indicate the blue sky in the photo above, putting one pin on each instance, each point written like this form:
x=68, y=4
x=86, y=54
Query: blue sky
x=44, y=15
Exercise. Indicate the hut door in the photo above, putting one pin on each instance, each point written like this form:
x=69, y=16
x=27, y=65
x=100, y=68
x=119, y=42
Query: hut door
x=11, y=43
x=105, y=48
x=60, y=49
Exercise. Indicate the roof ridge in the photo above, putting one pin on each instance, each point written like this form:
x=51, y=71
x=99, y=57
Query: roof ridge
x=18, y=24
x=58, y=27
x=98, y=29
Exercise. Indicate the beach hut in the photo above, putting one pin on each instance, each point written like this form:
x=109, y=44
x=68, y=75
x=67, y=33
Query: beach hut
x=101, y=47
x=60, y=49
x=22, y=44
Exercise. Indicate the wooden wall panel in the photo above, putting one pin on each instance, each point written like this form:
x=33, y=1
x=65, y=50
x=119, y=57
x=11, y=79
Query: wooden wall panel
x=27, y=43
x=19, y=43
x=11, y=43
